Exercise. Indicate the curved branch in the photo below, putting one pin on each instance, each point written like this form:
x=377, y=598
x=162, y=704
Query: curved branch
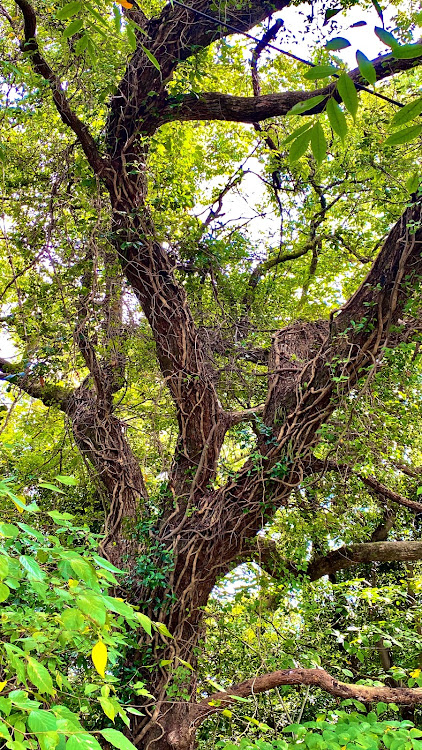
x=380, y=489
x=317, y=677
x=384, y=491
x=40, y=66
x=252, y=109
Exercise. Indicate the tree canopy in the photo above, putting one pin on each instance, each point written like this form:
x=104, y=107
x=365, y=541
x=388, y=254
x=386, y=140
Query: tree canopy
x=210, y=433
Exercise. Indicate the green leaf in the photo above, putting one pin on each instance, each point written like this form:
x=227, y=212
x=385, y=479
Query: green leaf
x=4, y=566
x=131, y=37
x=145, y=622
x=73, y=619
x=299, y=146
x=4, y=732
x=120, y=607
x=366, y=68
x=347, y=91
x=39, y=676
x=294, y=134
x=385, y=37
x=412, y=183
x=4, y=592
x=20, y=699
x=8, y=530
x=65, y=35
x=407, y=51
x=294, y=728
x=69, y=481
x=404, y=136
x=92, y=608
x=117, y=18
x=163, y=629
x=337, y=120
x=32, y=568
x=59, y=517
x=81, y=45
x=186, y=664
x=103, y=563
x=337, y=43
x=31, y=531
x=321, y=71
x=318, y=143
x=301, y=107
x=69, y=10
x=42, y=721
x=69, y=31
x=378, y=8
x=96, y=15
x=84, y=571
x=108, y=707
x=330, y=13
x=49, y=740
x=117, y=739
x=82, y=741
x=151, y=57
x=407, y=113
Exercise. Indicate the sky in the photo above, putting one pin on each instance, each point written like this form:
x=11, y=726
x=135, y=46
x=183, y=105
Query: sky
x=297, y=38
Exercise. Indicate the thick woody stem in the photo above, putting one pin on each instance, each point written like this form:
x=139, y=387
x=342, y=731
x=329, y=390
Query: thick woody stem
x=217, y=106
x=316, y=677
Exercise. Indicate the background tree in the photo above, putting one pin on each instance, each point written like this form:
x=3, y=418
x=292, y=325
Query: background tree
x=211, y=380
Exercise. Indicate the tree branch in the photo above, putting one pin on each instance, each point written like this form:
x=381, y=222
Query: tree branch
x=316, y=677
x=21, y=376
x=40, y=66
x=380, y=489
x=346, y=557
x=252, y=109
x=172, y=37
x=266, y=553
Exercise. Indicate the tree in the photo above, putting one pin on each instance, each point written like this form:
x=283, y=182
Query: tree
x=101, y=231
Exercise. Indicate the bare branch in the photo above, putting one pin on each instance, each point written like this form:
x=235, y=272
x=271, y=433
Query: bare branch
x=217, y=106
x=316, y=677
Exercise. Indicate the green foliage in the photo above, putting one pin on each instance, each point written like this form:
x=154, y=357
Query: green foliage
x=341, y=730
x=60, y=632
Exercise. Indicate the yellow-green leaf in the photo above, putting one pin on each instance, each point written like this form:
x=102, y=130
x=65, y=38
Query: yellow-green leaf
x=39, y=676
